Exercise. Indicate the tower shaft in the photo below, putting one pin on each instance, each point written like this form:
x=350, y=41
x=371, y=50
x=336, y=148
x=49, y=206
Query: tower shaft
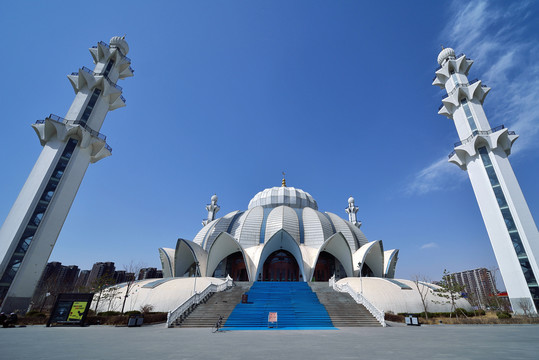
x=483, y=152
x=31, y=228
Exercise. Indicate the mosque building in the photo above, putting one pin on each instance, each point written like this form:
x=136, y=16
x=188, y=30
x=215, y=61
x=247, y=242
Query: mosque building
x=280, y=237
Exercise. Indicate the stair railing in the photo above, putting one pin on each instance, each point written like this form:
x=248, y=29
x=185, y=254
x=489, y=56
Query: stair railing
x=360, y=299
x=196, y=299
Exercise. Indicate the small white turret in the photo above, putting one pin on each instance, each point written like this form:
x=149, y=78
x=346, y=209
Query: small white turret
x=212, y=209
x=352, y=210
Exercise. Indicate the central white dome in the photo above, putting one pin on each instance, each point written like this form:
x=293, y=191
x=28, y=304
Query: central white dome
x=289, y=196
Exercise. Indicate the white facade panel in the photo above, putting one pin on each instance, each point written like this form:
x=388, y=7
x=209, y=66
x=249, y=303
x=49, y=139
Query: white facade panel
x=221, y=226
x=341, y=226
x=313, y=230
x=250, y=231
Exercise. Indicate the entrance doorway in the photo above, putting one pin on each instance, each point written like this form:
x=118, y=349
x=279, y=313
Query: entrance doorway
x=326, y=266
x=232, y=265
x=281, y=266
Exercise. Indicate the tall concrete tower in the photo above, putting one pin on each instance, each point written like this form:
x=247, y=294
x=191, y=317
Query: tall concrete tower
x=70, y=144
x=483, y=152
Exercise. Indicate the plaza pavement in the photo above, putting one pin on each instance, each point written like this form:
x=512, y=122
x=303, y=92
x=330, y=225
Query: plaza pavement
x=158, y=342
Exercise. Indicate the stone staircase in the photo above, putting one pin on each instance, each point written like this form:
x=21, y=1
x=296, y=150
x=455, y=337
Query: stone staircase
x=342, y=308
x=296, y=305
x=219, y=304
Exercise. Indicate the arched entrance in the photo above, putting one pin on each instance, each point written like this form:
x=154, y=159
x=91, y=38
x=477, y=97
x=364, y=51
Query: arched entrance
x=326, y=266
x=281, y=265
x=232, y=265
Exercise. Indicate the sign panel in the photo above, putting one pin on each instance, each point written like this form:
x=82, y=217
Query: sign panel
x=70, y=309
x=77, y=310
x=272, y=317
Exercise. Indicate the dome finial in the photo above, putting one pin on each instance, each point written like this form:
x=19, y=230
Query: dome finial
x=283, y=183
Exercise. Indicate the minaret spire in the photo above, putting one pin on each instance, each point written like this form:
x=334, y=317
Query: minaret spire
x=212, y=209
x=70, y=144
x=352, y=210
x=483, y=152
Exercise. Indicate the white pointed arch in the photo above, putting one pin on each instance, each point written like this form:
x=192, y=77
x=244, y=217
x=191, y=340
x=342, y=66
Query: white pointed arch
x=337, y=246
x=390, y=262
x=281, y=240
x=222, y=246
x=316, y=227
x=187, y=253
x=371, y=254
x=167, y=261
x=340, y=226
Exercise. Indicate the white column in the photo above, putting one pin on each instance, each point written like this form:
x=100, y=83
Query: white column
x=483, y=151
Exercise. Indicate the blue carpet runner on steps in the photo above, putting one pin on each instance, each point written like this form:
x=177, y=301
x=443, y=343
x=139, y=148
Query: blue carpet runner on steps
x=297, y=307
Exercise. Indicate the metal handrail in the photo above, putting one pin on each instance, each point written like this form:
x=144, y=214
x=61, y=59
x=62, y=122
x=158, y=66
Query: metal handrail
x=461, y=85
x=196, y=299
x=77, y=122
x=479, y=132
x=360, y=299
x=123, y=99
x=112, y=83
x=61, y=120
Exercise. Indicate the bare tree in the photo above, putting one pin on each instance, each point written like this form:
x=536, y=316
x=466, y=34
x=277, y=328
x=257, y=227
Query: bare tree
x=423, y=291
x=493, y=273
x=526, y=306
x=450, y=290
x=99, y=284
x=134, y=269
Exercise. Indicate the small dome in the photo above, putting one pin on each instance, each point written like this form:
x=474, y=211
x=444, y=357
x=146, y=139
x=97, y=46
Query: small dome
x=351, y=200
x=444, y=54
x=214, y=198
x=289, y=196
x=120, y=43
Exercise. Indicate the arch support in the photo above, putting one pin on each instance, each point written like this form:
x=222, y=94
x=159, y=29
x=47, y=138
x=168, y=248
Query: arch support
x=281, y=240
x=223, y=246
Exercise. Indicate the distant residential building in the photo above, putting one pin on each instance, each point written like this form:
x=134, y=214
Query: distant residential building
x=58, y=278
x=478, y=283
x=150, y=273
x=101, y=270
x=119, y=276
x=82, y=280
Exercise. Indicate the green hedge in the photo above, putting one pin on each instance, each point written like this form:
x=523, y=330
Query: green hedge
x=459, y=312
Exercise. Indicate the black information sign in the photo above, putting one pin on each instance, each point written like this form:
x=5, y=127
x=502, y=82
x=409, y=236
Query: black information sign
x=70, y=309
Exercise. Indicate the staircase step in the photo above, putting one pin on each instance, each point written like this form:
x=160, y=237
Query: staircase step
x=342, y=308
x=295, y=303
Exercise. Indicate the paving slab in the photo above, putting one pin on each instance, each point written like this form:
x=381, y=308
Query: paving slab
x=159, y=342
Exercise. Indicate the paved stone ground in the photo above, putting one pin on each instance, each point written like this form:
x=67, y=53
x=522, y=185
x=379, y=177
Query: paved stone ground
x=158, y=342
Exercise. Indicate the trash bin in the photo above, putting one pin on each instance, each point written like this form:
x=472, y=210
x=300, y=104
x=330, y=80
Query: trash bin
x=244, y=298
x=135, y=320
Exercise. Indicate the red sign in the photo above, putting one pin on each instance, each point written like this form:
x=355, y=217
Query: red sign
x=272, y=317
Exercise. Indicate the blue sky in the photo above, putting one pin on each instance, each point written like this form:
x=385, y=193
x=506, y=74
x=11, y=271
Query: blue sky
x=228, y=94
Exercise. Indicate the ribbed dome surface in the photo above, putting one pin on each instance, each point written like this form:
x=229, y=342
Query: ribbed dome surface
x=289, y=196
x=257, y=225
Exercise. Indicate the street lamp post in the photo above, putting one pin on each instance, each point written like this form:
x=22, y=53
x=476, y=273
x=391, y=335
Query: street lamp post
x=360, y=279
x=195, y=283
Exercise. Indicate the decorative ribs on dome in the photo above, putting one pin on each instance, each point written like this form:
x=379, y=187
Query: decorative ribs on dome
x=289, y=196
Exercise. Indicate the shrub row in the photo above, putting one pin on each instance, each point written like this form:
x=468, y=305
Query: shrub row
x=459, y=312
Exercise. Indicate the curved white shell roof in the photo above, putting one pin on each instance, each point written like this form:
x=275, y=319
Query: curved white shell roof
x=257, y=225
x=401, y=296
x=290, y=196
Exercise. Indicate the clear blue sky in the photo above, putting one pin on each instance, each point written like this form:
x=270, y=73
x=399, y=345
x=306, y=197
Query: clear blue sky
x=227, y=94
